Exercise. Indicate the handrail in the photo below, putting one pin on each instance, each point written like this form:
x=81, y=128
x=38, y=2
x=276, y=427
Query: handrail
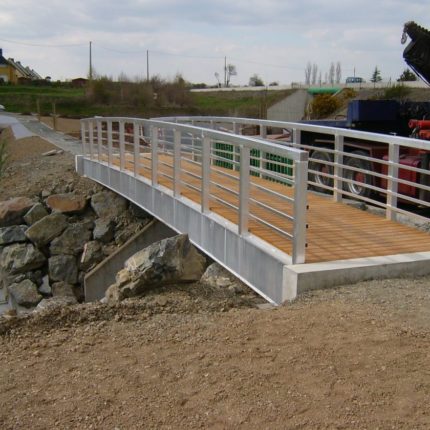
x=387, y=181
x=188, y=162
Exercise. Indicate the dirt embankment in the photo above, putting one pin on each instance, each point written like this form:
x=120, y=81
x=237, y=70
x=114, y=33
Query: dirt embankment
x=356, y=357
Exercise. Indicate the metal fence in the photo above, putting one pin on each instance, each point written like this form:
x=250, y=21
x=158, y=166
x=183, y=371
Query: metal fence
x=259, y=186
x=389, y=172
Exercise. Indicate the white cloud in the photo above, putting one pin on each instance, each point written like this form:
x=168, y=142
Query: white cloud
x=274, y=38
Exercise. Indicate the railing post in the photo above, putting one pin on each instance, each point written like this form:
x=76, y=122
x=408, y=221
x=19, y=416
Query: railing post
x=83, y=139
x=244, y=190
x=392, y=184
x=206, y=171
x=99, y=139
x=338, y=168
x=300, y=207
x=121, y=145
x=109, y=137
x=263, y=135
x=176, y=163
x=297, y=136
x=91, y=138
x=154, y=156
x=236, y=149
x=136, y=148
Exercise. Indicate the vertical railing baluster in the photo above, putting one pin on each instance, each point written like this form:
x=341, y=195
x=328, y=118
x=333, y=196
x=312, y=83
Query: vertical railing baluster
x=121, y=145
x=91, y=139
x=245, y=154
x=176, y=163
x=392, y=184
x=297, y=137
x=236, y=149
x=206, y=171
x=110, y=145
x=154, y=155
x=84, y=139
x=99, y=139
x=300, y=207
x=338, y=168
x=136, y=148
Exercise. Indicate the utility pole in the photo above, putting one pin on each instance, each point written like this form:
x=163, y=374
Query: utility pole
x=91, y=62
x=147, y=65
x=225, y=71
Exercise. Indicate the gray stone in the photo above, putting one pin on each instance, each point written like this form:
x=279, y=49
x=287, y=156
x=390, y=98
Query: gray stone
x=55, y=303
x=62, y=289
x=107, y=204
x=45, y=288
x=63, y=268
x=20, y=258
x=216, y=276
x=25, y=293
x=92, y=255
x=71, y=241
x=169, y=261
x=48, y=228
x=11, y=211
x=36, y=213
x=104, y=230
x=13, y=234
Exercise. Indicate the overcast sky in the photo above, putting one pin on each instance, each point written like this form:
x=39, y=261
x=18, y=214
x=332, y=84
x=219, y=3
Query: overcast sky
x=273, y=38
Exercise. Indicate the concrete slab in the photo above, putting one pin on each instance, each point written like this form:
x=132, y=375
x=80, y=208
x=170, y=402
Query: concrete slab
x=18, y=129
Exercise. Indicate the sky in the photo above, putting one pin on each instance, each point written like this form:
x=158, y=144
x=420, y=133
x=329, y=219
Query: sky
x=274, y=39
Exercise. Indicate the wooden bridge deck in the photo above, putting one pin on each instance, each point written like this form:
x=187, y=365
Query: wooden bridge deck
x=336, y=231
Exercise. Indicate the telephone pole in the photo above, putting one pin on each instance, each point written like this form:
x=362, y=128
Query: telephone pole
x=147, y=65
x=91, y=62
x=225, y=71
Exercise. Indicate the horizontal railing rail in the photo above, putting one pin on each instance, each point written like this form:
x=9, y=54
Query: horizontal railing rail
x=258, y=185
x=390, y=172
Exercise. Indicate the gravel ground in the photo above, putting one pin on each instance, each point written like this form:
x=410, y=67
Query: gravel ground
x=354, y=357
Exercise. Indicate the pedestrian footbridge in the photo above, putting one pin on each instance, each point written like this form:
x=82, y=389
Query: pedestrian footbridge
x=245, y=200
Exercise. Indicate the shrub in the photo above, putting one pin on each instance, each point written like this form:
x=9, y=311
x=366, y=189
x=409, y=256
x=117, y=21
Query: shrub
x=323, y=105
x=398, y=92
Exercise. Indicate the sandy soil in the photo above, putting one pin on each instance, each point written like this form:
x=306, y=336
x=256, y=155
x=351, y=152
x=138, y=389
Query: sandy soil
x=355, y=357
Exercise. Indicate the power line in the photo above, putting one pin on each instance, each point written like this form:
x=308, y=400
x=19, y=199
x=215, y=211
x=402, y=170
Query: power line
x=43, y=45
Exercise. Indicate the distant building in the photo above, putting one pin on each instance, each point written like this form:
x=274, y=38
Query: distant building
x=79, y=82
x=14, y=72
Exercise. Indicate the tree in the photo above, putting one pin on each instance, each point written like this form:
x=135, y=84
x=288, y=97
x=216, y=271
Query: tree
x=376, y=76
x=331, y=73
x=256, y=81
x=308, y=71
x=406, y=76
x=314, y=74
x=230, y=71
x=338, y=72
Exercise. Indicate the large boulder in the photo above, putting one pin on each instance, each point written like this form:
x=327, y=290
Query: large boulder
x=36, y=213
x=13, y=234
x=63, y=268
x=48, y=228
x=170, y=261
x=12, y=211
x=107, y=204
x=20, y=258
x=104, y=230
x=68, y=203
x=25, y=293
x=72, y=240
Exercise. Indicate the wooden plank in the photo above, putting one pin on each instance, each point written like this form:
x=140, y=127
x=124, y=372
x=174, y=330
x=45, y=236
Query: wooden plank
x=336, y=231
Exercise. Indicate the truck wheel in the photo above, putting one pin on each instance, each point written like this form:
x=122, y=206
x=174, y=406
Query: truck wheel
x=364, y=178
x=321, y=166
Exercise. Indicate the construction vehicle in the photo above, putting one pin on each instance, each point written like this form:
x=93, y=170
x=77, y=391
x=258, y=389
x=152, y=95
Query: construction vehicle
x=408, y=119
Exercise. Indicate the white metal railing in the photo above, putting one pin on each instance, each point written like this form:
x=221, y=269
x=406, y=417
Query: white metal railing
x=389, y=172
x=249, y=181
